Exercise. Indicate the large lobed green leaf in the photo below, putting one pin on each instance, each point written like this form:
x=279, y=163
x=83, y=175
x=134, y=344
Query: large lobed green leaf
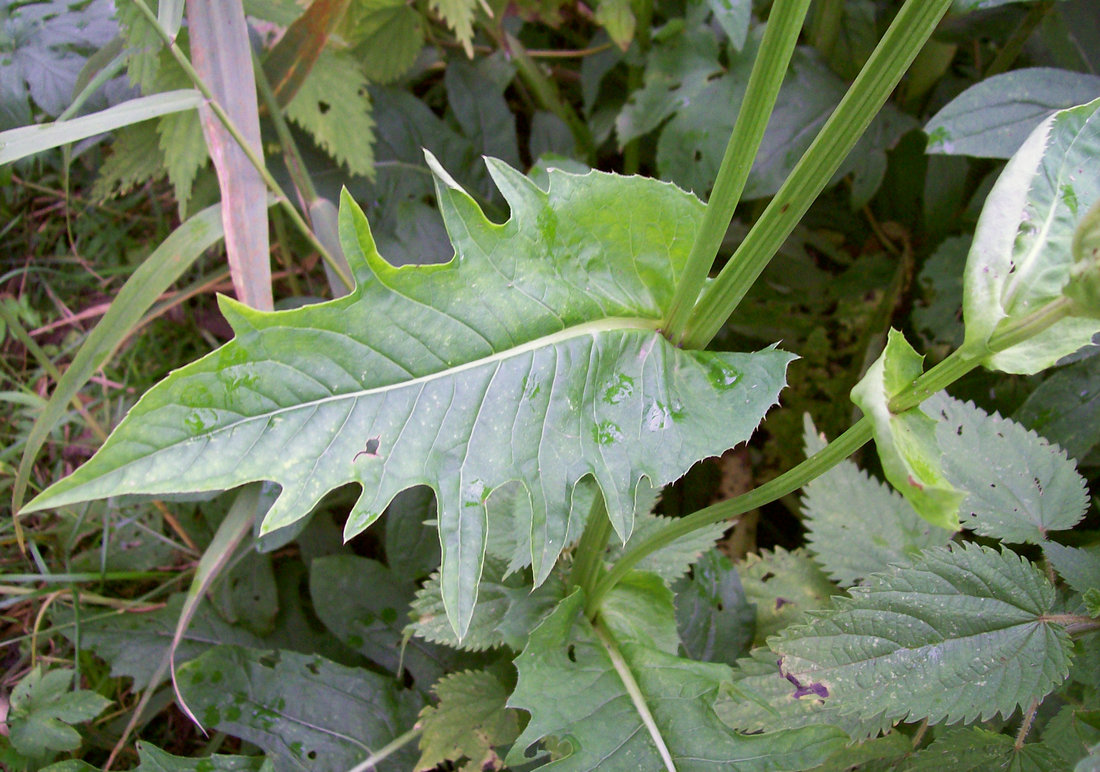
x=532, y=356
x=956, y=635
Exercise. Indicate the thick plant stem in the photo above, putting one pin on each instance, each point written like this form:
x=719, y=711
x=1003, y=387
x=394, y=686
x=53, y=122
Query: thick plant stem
x=588, y=557
x=913, y=25
x=234, y=131
x=768, y=70
x=636, y=77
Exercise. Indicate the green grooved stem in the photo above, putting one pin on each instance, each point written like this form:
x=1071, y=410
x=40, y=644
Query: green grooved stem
x=913, y=25
x=588, y=558
x=768, y=70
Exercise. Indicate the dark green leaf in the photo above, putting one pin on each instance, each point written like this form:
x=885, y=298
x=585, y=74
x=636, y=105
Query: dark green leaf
x=412, y=544
x=979, y=750
x=570, y=685
x=993, y=118
x=305, y=712
x=715, y=619
x=1080, y=567
x=1065, y=408
x=366, y=606
x=134, y=644
x=963, y=629
x=386, y=36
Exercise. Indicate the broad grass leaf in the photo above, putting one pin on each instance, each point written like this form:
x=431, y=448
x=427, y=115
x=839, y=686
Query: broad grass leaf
x=1022, y=255
x=963, y=629
x=906, y=441
x=468, y=723
x=858, y=526
x=569, y=683
x=306, y=712
x=1018, y=486
x=533, y=356
x=992, y=118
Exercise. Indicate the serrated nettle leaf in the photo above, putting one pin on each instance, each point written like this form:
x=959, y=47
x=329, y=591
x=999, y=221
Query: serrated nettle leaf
x=975, y=749
x=992, y=118
x=506, y=610
x=857, y=526
x=906, y=441
x=571, y=680
x=760, y=698
x=386, y=36
x=783, y=586
x=306, y=712
x=1079, y=566
x=532, y=356
x=470, y=720
x=459, y=15
x=1022, y=256
x=958, y=634
x=334, y=106
x=1018, y=486
x=673, y=560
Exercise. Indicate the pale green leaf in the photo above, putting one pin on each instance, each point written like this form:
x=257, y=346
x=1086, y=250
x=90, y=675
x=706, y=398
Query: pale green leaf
x=761, y=699
x=366, y=606
x=617, y=17
x=41, y=709
x=134, y=644
x=333, y=105
x=1018, y=486
x=640, y=609
x=906, y=441
x=505, y=612
x=1022, y=252
x=992, y=118
x=28, y=140
x=715, y=619
x=963, y=629
x=857, y=526
x=976, y=749
x=459, y=16
x=784, y=586
x=539, y=337
x=306, y=712
x=469, y=722
x=569, y=683
x=386, y=36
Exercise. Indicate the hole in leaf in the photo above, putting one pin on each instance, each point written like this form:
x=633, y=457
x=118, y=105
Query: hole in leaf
x=571, y=652
x=323, y=107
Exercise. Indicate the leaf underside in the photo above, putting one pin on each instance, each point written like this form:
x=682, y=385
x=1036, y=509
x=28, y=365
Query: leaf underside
x=532, y=357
